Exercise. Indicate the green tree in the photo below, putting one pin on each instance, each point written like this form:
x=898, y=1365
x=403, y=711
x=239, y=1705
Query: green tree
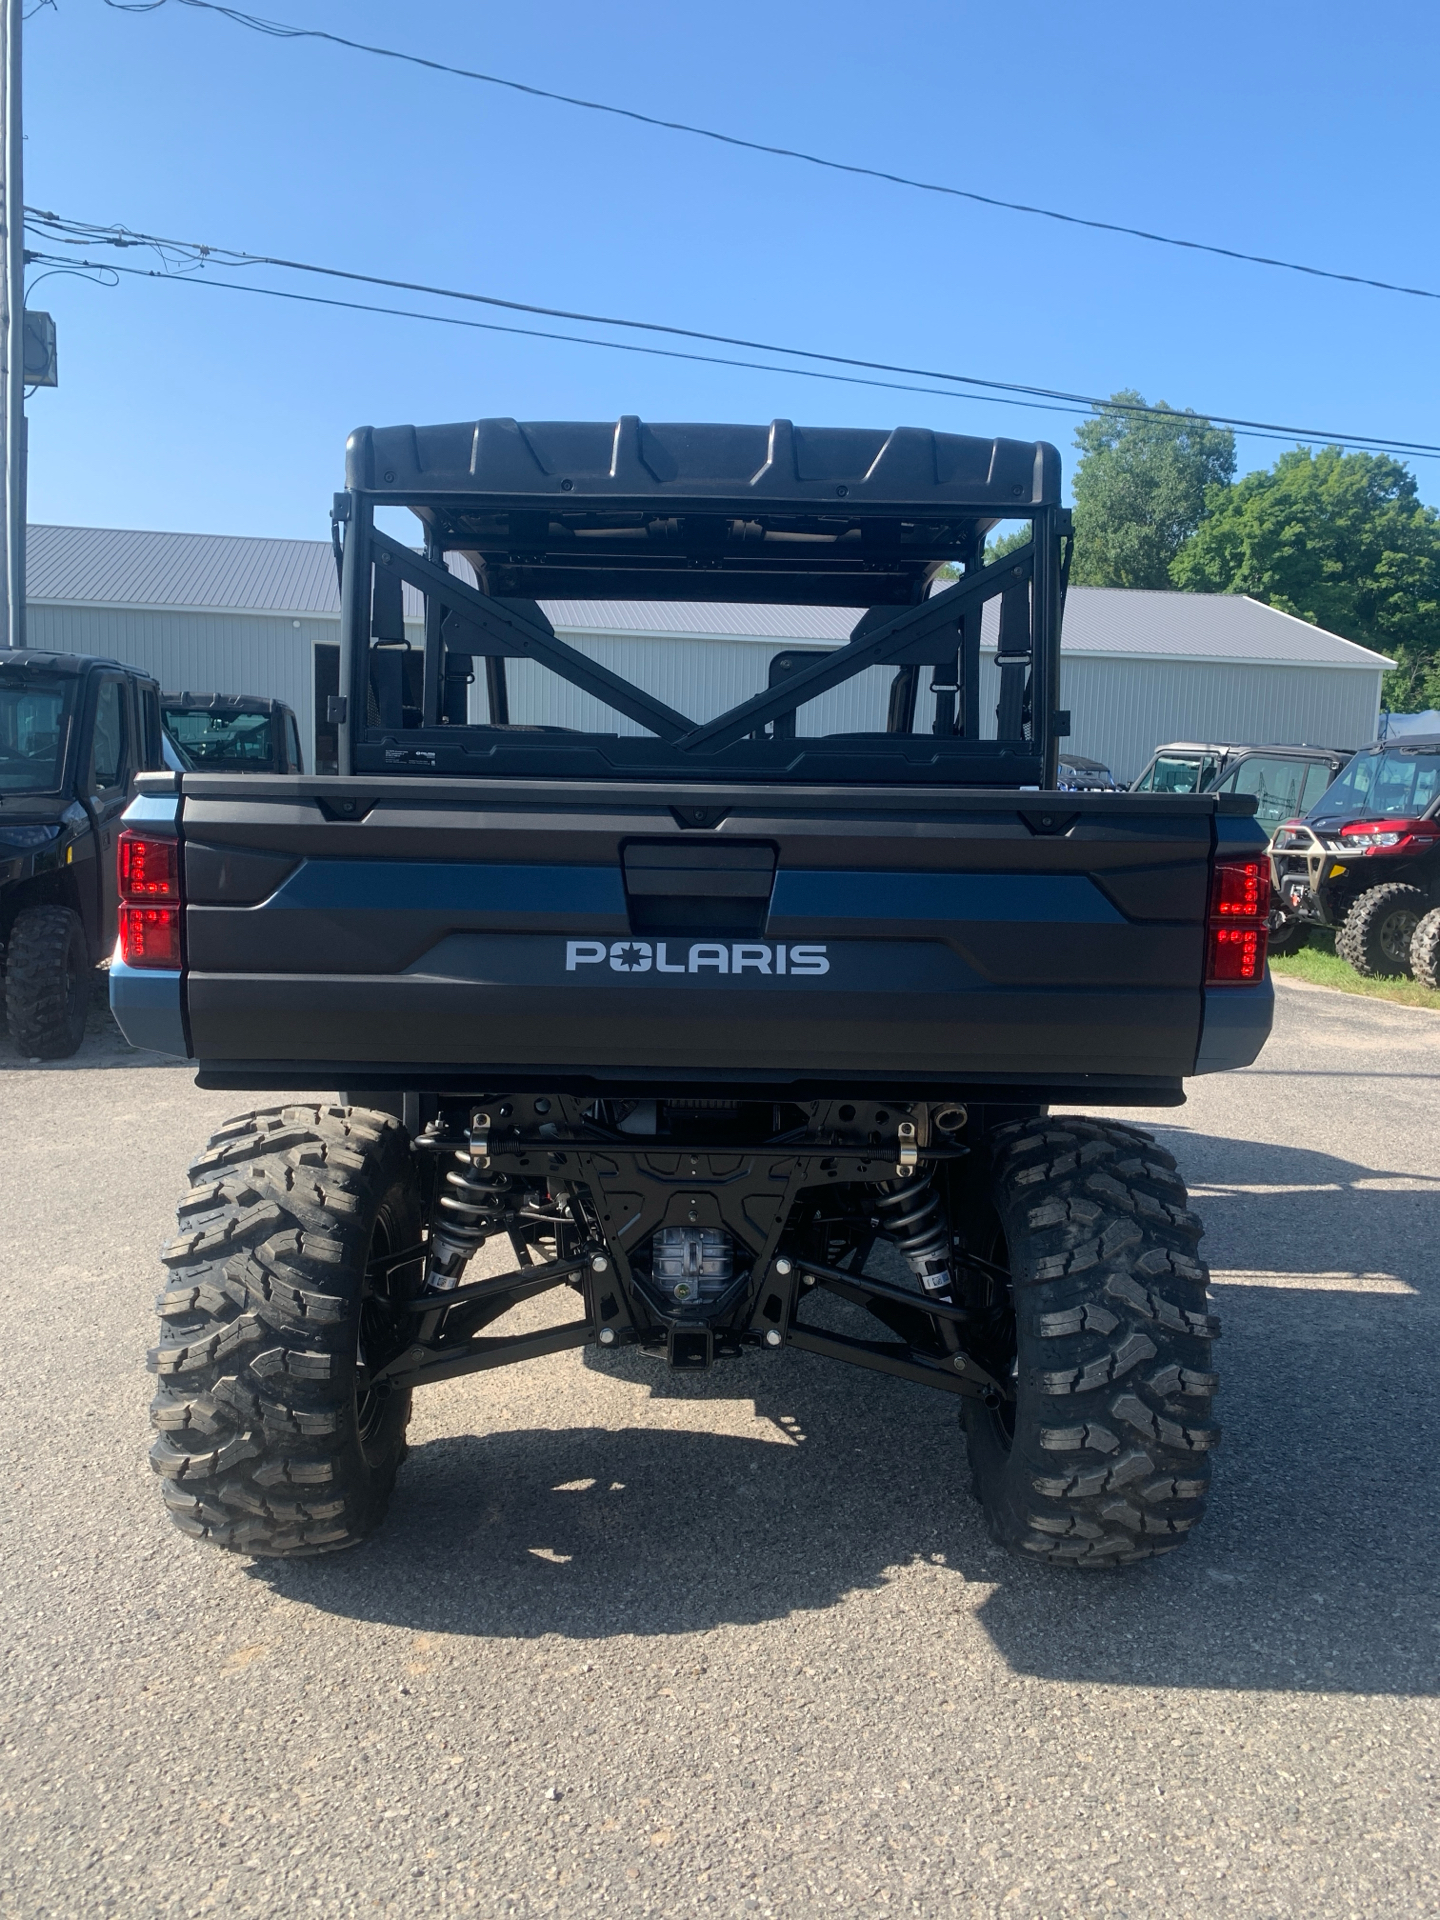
x=997, y=546
x=1342, y=540
x=1140, y=490
x=1003, y=543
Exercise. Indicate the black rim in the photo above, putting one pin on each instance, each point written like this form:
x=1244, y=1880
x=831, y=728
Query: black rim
x=1396, y=930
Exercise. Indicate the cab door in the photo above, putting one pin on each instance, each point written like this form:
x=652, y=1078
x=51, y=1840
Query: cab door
x=1322, y=775
x=151, y=758
x=114, y=756
x=1276, y=782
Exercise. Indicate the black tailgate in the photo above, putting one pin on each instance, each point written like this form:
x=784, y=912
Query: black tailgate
x=428, y=930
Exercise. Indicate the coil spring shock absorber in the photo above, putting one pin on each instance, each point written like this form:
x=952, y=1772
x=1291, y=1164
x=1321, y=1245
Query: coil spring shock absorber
x=475, y=1205
x=912, y=1215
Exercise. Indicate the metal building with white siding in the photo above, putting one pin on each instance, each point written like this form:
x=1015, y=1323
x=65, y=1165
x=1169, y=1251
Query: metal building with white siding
x=230, y=614
x=1139, y=668
x=208, y=613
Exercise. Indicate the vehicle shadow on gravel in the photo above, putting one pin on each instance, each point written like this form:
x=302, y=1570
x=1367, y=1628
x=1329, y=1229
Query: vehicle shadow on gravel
x=1296, y=1210
x=1314, y=1571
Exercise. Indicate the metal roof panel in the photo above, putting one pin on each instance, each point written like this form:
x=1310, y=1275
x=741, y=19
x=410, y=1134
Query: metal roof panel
x=113, y=566
x=107, y=566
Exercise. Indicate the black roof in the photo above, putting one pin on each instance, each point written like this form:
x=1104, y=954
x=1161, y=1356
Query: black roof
x=1238, y=747
x=223, y=703
x=634, y=509
x=75, y=663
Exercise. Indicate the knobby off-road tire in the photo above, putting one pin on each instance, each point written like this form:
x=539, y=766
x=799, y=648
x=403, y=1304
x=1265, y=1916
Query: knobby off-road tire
x=268, y=1441
x=48, y=982
x=1377, y=931
x=1425, y=951
x=1104, y=1458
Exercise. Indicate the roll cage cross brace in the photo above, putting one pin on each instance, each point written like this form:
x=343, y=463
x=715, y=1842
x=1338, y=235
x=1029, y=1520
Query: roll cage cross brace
x=391, y=719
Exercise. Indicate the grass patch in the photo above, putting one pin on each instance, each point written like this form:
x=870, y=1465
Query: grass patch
x=1319, y=963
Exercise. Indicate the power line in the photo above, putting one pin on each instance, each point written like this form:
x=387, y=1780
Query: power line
x=664, y=353
x=615, y=346
x=537, y=333
x=279, y=30
x=199, y=254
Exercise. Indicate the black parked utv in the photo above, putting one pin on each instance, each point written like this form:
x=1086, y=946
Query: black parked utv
x=1285, y=780
x=1366, y=861
x=74, y=733
x=726, y=1003
x=231, y=733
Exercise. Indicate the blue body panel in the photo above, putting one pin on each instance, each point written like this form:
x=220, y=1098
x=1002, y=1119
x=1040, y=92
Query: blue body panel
x=1040, y=899
x=1236, y=1021
x=146, y=1004
x=428, y=886
x=1236, y=1025
x=431, y=886
x=160, y=810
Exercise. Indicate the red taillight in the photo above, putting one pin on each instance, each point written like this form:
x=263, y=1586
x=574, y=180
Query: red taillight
x=1239, y=920
x=1241, y=890
x=149, y=869
x=149, y=874
x=150, y=936
x=1237, y=955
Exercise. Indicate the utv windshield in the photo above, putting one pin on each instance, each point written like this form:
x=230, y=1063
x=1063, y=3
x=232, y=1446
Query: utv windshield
x=1178, y=773
x=34, y=726
x=223, y=742
x=1395, y=783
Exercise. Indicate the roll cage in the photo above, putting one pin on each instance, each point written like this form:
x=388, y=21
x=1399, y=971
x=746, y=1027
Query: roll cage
x=632, y=511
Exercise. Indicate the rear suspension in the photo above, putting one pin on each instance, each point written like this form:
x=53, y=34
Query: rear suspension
x=914, y=1219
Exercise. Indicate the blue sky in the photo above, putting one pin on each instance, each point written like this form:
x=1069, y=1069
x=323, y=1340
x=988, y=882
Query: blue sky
x=1304, y=131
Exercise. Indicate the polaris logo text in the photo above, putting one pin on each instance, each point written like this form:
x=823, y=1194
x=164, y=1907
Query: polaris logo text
x=704, y=956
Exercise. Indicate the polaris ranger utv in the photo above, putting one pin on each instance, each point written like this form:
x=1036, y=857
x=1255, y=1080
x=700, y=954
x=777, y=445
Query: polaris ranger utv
x=692, y=986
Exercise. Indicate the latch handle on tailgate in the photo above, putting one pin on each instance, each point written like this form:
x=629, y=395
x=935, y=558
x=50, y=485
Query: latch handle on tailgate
x=682, y=885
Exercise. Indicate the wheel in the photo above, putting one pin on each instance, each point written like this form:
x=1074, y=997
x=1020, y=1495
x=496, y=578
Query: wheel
x=1425, y=951
x=1375, y=936
x=1288, y=937
x=1105, y=1329
x=48, y=981
x=277, y=1306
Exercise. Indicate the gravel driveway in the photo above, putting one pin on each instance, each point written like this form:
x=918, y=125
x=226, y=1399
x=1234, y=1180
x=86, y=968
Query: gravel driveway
x=637, y=1643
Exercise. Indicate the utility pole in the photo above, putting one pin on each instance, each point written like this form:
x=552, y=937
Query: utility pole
x=12, y=332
